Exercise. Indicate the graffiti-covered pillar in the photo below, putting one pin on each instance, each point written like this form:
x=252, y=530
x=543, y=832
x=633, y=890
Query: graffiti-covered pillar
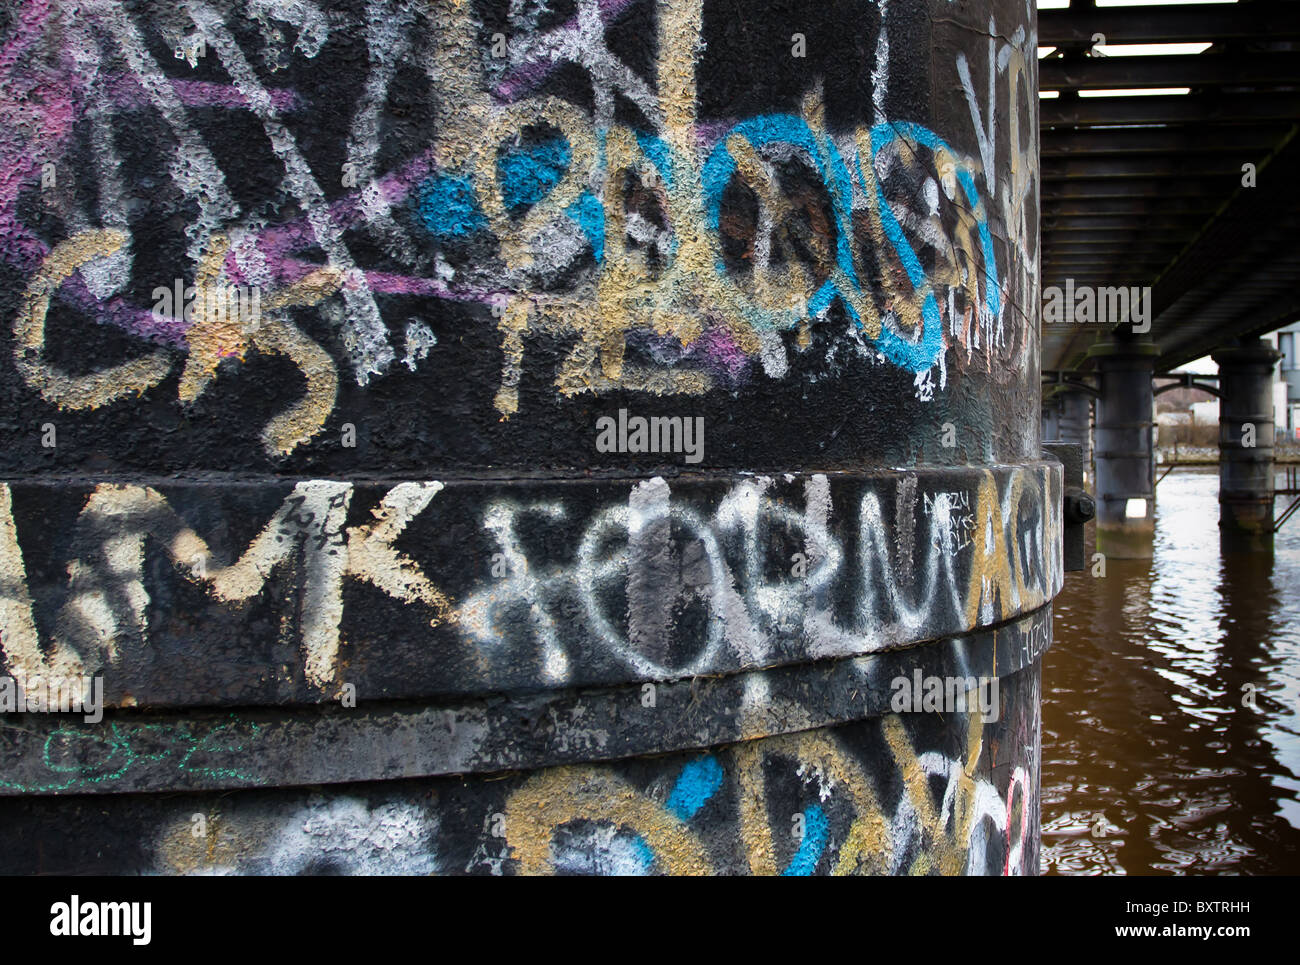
x=465, y=436
x=1125, y=452
x=1246, y=444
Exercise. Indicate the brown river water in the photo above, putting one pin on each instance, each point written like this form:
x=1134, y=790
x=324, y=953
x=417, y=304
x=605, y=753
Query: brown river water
x=1152, y=763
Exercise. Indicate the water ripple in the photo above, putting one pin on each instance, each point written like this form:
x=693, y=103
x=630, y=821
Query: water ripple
x=1171, y=705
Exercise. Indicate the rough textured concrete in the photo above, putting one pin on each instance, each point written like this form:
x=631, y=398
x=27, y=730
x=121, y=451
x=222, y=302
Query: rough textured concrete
x=484, y=364
x=884, y=795
x=184, y=594
x=383, y=740
x=762, y=233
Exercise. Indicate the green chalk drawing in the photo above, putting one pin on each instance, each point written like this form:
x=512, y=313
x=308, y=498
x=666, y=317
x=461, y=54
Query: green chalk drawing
x=107, y=756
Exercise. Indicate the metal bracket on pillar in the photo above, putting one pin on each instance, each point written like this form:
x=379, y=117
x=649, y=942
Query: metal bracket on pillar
x=1057, y=383
x=1189, y=380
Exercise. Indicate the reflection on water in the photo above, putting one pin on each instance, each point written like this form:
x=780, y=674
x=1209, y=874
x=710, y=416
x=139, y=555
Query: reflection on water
x=1151, y=762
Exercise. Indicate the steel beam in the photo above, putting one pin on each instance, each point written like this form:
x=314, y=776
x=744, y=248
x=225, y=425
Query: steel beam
x=1193, y=70
x=1184, y=140
x=1208, y=109
x=1076, y=26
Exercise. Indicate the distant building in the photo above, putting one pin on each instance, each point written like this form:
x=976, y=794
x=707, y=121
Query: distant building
x=1289, y=378
x=1286, y=388
x=1205, y=413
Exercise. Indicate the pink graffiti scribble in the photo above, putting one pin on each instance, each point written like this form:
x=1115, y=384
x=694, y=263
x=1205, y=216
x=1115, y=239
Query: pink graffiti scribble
x=721, y=349
x=1020, y=778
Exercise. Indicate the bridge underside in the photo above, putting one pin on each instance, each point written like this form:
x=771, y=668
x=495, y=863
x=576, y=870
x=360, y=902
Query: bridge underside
x=1169, y=232
x=1192, y=195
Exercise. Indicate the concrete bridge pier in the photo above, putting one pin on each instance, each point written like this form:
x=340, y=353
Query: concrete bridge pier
x=1051, y=420
x=1246, y=445
x=577, y=507
x=1125, y=444
x=1075, y=422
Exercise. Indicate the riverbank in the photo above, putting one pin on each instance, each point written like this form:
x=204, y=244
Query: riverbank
x=1209, y=455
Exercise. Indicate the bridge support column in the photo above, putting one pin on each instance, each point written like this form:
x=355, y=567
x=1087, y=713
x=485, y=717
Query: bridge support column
x=1125, y=443
x=1051, y=420
x=1076, y=426
x=477, y=585
x=1246, y=445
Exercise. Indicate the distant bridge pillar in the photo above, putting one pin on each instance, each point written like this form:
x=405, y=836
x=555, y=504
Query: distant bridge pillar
x=1051, y=420
x=1246, y=444
x=1125, y=445
x=1076, y=424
